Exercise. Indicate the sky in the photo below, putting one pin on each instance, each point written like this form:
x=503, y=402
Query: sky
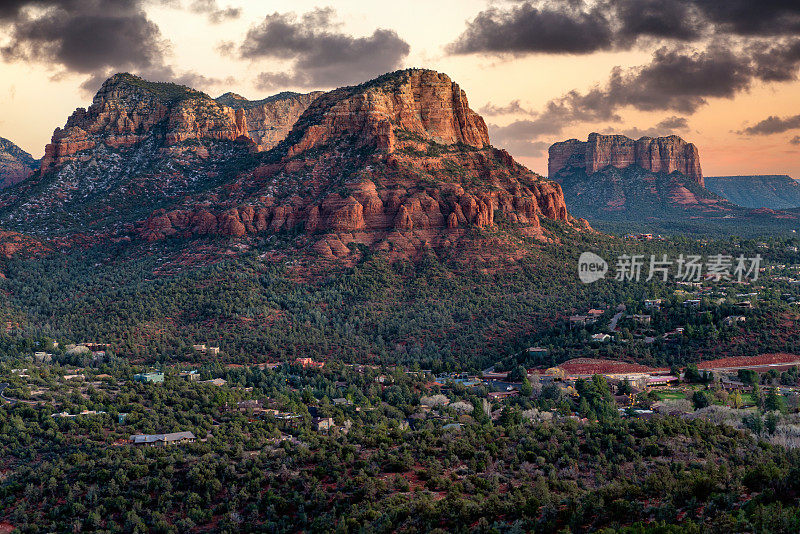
x=723, y=74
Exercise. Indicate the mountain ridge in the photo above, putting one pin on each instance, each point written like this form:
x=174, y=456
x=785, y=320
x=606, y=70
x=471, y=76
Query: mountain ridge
x=773, y=191
x=399, y=162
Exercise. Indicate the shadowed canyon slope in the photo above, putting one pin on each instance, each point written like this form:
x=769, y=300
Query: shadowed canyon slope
x=15, y=164
x=400, y=163
x=776, y=192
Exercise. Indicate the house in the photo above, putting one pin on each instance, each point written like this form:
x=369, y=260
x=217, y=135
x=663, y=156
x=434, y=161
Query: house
x=103, y=376
x=155, y=377
x=341, y=401
x=309, y=363
x=190, y=375
x=42, y=357
x=744, y=305
x=661, y=380
x=162, y=440
x=653, y=304
x=257, y=406
x=578, y=321
x=595, y=313
x=537, y=351
x=641, y=319
x=691, y=303
x=602, y=338
x=212, y=350
x=74, y=377
x=323, y=424
x=84, y=412
x=199, y=348
x=500, y=395
x=733, y=319
x=214, y=382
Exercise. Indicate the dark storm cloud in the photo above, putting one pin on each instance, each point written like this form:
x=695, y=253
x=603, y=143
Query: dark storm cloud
x=86, y=37
x=752, y=17
x=570, y=28
x=677, y=79
x=322, y=54
x=583, y=27
x=773, y=125
x=669, y=19
x=92, y=37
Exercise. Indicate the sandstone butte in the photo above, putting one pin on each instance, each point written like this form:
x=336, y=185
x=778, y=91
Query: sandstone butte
x=660, y=154
x=400, y=162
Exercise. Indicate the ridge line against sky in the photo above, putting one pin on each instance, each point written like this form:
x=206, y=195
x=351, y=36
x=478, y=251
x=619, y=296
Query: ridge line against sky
x=721, y=74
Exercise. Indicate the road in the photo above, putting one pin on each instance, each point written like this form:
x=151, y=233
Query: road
x=3, y=387
x=615, y=320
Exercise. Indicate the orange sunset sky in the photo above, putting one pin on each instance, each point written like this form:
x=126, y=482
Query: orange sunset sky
x=721, y=75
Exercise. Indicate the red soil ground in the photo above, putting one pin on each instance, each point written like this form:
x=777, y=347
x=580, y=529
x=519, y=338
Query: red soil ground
x=778, y=360
x=588, y=366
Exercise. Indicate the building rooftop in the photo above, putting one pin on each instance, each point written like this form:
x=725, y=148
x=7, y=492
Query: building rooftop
x=152, y=438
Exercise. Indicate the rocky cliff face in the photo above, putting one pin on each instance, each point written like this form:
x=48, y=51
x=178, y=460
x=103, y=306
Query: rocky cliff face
x=128, y=110
x=267, y=122
x=658, y=155
x=15, y=164
x=400, y=163
x=416, y=102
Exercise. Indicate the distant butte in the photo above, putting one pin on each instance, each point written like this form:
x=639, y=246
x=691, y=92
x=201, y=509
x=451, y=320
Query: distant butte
x=660, y=154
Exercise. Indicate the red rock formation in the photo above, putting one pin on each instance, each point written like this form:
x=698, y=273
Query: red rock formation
x=267, y=122
x=429, y=175
x=415, y=102
x=126, y=109
x=662, y=154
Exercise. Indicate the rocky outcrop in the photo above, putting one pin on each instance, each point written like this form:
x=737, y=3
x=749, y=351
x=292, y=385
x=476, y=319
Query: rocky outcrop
x=127, y=110
x=413, y=102
x=267, y=122
x=367, y=210
x=400, y=162
x=15, y=164
x=658, y=155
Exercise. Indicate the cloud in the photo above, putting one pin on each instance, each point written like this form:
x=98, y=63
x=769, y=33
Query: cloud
x=321, y=54
x=772, y=125
x=84, y=37
x=584, y=27
x=748, y=17
x=571, y=28
x=512, y=108
x=95, y=38
x=677, y=79
x=663, y=128
x=213, y=11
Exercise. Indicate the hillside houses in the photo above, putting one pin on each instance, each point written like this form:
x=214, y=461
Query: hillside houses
x=162, y=440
